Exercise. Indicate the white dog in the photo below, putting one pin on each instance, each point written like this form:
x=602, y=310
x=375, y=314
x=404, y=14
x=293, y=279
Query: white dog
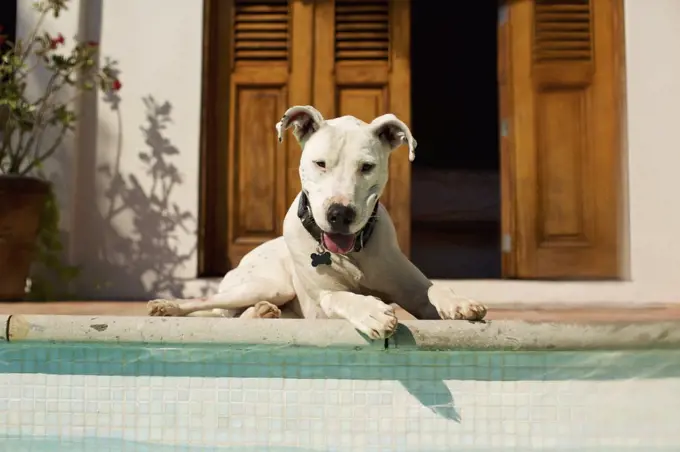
x=338, y=256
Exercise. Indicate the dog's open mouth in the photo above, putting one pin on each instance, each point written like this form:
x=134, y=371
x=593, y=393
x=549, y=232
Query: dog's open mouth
x=338, y=243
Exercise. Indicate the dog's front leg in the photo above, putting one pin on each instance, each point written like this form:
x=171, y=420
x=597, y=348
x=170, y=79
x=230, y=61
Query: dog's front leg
x=367, y=314
x=407, y=286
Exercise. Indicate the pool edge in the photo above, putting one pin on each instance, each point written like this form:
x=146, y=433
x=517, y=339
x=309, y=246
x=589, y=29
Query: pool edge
x=186, y=330
x=4, y=327
x=522, y=335
x=411, y=334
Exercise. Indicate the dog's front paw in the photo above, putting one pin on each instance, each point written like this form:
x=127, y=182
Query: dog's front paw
x=163, y=308
x=376, y=319
x=467, y=309
x=453, y=307
x=266, y=310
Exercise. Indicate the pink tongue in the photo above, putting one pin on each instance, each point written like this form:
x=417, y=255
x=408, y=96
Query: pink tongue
x=339, y=243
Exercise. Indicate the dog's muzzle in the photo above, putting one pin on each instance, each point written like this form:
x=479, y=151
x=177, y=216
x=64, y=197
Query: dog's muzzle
x=338, y=239
x=340, y=218
x=331, y=241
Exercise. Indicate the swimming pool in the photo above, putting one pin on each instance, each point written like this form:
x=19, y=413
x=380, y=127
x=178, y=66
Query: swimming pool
x=148, y=384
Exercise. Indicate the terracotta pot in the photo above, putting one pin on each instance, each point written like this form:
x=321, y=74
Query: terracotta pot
x=22, y=200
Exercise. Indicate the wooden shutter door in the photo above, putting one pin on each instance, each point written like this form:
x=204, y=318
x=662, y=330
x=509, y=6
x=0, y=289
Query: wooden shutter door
x=362, y=68
x=561, y=175
x=266, y=78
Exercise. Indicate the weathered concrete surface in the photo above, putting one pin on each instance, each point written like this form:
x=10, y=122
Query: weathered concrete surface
x=521, y=335
x=567, y=312
x=411, y=334
x=183, y=330
x=3, y=327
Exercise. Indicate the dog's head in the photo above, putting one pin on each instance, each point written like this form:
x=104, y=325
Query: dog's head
x=344, y=167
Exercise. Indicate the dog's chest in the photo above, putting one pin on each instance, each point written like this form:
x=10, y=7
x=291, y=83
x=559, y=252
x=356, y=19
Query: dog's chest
x=343, y=273
x=348, y=269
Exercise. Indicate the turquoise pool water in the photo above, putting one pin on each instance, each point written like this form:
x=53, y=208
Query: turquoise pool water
x=80, y=397
x=21, y=444
x=110, y=445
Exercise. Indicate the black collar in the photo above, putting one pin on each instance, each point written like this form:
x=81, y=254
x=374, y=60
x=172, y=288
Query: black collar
x=307, y=219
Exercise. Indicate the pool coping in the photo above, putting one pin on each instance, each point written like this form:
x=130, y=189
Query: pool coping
x=410, y=335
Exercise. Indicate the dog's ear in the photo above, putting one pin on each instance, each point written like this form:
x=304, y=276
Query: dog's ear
x=393, y=132
x=305, y=120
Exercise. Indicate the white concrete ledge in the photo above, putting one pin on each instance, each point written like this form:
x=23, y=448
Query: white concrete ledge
x=186, y=330
x=521, y=335
x=4, y=319
x=413, y=334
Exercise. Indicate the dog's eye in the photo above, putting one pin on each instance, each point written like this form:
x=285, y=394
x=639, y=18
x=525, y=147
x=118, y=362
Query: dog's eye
x=367, y=167
x=320, y=163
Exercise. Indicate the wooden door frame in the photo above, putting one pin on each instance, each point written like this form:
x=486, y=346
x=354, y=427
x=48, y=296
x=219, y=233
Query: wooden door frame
x=217, y=41
x=400, y=81
x=217, y=66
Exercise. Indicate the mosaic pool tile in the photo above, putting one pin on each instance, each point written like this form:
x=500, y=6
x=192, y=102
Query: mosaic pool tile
x=129, y=398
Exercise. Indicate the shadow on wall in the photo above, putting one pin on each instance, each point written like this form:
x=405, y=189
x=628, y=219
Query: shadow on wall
x=146, y=259
x=126, y=227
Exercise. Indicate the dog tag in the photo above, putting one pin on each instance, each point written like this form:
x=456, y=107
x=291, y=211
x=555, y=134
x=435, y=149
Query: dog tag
x=322, y=258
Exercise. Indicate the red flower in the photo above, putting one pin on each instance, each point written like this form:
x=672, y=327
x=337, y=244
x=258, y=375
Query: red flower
x=56, y=41
x=93, y=43
x=116, y=85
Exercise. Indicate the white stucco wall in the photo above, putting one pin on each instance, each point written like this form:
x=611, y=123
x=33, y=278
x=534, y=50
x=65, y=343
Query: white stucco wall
x=158, y=46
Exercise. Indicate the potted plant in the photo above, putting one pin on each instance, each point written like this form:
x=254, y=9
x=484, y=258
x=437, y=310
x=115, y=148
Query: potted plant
x=32, y=128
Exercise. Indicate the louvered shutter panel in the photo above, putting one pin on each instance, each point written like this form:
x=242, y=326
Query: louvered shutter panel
x=261, y=30
x=264, y=81
x=562, y=31
x=362, y=68
x=564, y=136
x=362, y=31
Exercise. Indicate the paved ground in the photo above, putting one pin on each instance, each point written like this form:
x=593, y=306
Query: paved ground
x=530, y=312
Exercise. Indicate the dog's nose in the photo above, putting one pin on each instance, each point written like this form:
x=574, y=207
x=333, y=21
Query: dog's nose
x=340, y=216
